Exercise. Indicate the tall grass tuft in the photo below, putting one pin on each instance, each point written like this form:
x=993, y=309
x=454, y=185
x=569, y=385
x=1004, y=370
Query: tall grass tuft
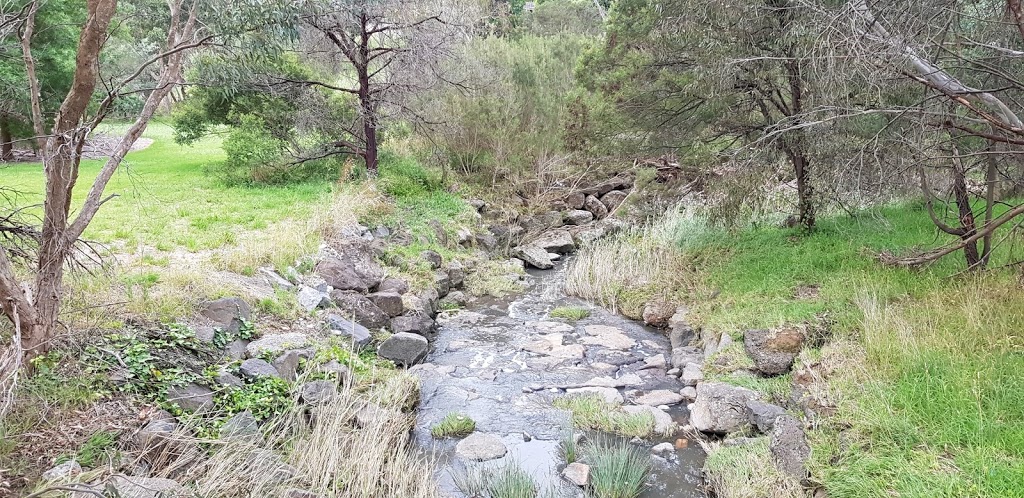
x=617, y=470
x=511, y=481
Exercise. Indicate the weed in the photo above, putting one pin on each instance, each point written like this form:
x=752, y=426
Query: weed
x=511, y=481
x=569, y=448
x=573, y=313
x=265, y=397
x=617, y=470
x=453, y=425
x=471, y=480
x=99, y=448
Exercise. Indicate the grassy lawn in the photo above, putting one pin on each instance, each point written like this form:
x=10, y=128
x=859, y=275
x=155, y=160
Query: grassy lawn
x=167, y=200
x=924, y=365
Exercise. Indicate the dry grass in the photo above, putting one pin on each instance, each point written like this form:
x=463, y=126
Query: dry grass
x=747, y=471
x=627, y=271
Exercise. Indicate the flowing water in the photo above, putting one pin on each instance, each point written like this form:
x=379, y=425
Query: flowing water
x=478, y=367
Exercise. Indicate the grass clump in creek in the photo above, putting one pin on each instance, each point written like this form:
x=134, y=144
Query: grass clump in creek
x=569, y=447
x=573, y=313
x=453, y=425
x=617, y=470
x=590, y=411
x=508, y=481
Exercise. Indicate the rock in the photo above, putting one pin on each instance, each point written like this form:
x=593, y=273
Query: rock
x=662, y=421
x=395, y=285
x=595, y=206
x=155, y=433
x=442, y=283
x=609, y=394
x=66, y=470
x=578, y=217
x=627, y=380
x=430, y=300
x=341, y=372
x=274, y=345
x=275, y=280
x=288, y=363
x=355, y=268
x=663, y=448
x=433, y=258
x=440, y=235
x=477, y=205
x=414, y=324
x=241, y=425
x=659, y=397
x=605, y=336
x=673, y=372
x=318, y=391
x=789, y=447
x=681, y=356
x=577, y=473
x=487, y=241
x=381, y=232
x=689, y=392
x=205, y=334
x=762, y=415
x=390, y=302
x=773, y=351
x=656, y=361
x=612, y=199
x=191, y=397
x=254, y=368
x=228, y=379
x=404, y=348
x=724, y=342
x=138, y=487
x=456, y=274
x=480, y=447
x=721, y=408
x=464, y=236
x=226, y=313
x=454, y=299
x=311, y=299
x=558, y=241
x=552, y=219
x=268, y=465
x=358, y=334
x=692, y=374
x=658, y=313
x=575, y=200
x=533, y=255
x=360, y=309
x=373, y=415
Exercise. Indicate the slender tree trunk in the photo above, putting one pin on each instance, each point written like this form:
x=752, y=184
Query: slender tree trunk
x=798, y=147
x=33, y=82
x=966, y=216
x=6, y=140
x=366, y=104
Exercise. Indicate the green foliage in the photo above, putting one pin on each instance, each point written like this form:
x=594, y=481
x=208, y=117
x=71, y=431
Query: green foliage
x=404, y=178
x=453, y=425
x=591, y=411
x=97, y=450
x=265, y=397
x=569, y=447
x=361, y=363
x=221, y=338
x=617, y=470
x=573, y=313
x=512, y=481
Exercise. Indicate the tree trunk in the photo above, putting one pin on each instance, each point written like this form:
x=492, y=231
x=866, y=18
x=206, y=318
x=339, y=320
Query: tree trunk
x=33, y=82
x=366, y=104
x=804, y=189
x=6, y=140
x=966, y=217
x=797, y=148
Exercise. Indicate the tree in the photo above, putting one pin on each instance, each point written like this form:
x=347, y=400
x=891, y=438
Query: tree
x=731, y=74
x=34, y=308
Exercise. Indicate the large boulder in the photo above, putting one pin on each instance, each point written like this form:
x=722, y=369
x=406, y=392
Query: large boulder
x=578, y=217
x=456, y=274
x=310, y=298
x=353, y=268
x=575, y=200
x=226, y=313
x=789, y=447
x=318, y=391
x=191, y=397
x=360, y=309
x=255, y=368
x=721, y=408
x=442, y=283
x=762, y=415
x=594, y=205
x=657, y=313
x=404, y=348
x=773, y=351
x=241, y=426
x=534, y=256
x=389, y=302
x=414, y=324
x=344, y=327
x=558, y=241
x=612, y=199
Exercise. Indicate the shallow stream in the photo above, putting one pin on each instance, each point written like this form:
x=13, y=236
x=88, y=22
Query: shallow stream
x=479, y=367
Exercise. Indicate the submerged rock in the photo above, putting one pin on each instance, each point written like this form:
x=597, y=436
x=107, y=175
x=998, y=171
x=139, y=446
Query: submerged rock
x=480, y=447
x=535, y=256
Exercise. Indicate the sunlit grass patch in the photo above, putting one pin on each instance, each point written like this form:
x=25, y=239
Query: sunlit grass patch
x=453, y=425
x=590, y=411
x=573, y=313
x=617, y=470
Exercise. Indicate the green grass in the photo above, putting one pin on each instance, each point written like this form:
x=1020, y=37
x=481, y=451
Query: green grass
x=922, y=364
x=511, y=481
x=569, y=447
x=747, y=471
x=590, y=411
x=166, y=200
x=573, y=313
x=617, y=470
x=453, y=425
x=96, y=450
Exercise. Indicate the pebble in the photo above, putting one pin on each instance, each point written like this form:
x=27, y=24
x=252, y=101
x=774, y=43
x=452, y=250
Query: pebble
x=673, y=372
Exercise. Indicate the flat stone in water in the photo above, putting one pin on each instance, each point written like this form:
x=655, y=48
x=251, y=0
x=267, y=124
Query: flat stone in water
x=480, y=447
x=609, y=337
x=659, y=397
x=609, y=394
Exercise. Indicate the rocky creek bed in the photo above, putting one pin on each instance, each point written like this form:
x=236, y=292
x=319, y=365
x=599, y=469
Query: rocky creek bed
x=503, y=362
